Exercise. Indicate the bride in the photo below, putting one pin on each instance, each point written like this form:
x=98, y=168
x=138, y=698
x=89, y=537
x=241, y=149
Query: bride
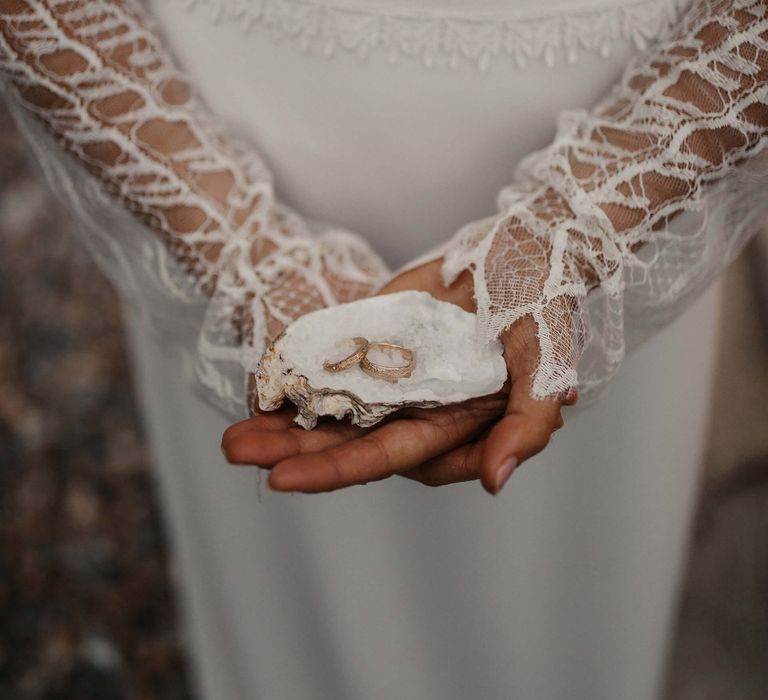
x=626, y=140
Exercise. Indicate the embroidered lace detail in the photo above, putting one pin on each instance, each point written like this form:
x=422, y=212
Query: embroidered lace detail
x=438, y=41
x=129, y=131
x=636, y=205
x=631, y=211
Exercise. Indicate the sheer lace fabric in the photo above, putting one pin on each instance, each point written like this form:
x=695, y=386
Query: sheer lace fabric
x=627, y=215
x=636, y=205
x=94, y=75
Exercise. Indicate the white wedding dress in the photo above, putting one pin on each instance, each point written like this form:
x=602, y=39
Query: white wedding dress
x=561, y=588
x=401, y=121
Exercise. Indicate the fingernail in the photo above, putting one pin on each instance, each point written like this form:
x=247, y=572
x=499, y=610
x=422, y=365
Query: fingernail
x=503, y=473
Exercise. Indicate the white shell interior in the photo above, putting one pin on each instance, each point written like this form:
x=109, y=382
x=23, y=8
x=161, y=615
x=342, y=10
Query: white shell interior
x=449, y=365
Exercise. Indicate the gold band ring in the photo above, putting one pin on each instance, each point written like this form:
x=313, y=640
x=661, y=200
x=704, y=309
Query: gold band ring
x=350, y=360
x=390, y=374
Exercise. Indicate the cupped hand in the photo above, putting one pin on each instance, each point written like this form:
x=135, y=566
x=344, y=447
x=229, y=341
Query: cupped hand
x=484, y=438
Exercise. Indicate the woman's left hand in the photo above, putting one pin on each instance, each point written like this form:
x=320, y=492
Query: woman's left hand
x=484, y=438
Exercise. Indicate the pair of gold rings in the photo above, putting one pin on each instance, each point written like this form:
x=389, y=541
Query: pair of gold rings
x=360, y=357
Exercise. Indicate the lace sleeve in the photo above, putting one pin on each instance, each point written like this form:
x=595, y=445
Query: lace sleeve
x=128, y=130
x=635, y=206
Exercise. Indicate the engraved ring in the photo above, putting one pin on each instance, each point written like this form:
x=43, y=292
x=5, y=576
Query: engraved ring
x=390, y=374
x=351, y=360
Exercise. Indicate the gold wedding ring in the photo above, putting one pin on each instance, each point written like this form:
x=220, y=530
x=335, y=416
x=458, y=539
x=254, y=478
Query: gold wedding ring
x=350, y=360
x=389, y=374
x=373, y=369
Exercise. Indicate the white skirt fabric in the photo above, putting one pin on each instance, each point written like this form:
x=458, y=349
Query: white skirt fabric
x=559, y=588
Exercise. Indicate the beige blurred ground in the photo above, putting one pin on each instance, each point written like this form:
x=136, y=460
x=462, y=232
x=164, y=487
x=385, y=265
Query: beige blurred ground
x=720, y=650
x=739, y=428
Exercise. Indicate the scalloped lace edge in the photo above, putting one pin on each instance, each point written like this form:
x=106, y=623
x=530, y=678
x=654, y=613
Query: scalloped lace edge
x=439, y=41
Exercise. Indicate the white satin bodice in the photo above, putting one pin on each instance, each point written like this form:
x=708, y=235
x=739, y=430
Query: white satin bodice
x=402, y=147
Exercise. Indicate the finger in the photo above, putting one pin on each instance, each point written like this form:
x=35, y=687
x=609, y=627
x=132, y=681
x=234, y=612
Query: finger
x=392, y=448
x=277, y=420
x=570, y=397
x=454, y=466
x=525, y=430
x=268, y=447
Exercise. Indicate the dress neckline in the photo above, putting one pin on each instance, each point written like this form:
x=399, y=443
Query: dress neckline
x=448, y=33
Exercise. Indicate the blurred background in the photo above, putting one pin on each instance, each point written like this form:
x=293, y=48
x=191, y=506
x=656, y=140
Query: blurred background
x=87, y=606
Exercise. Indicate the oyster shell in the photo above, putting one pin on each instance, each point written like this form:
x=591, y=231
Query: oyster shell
x=449, y=364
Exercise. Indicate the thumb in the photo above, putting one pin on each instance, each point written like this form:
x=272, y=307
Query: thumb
x=525, y=430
